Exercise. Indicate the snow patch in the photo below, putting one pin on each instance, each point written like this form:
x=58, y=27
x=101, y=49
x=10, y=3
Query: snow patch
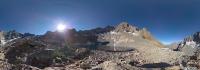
x=191, y=43
x=166, y=49
x=135, y=34
x=3, y=42
x=113, y=32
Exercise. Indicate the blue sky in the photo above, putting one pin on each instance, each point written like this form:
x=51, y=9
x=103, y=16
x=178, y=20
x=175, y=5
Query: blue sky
x=167, y=20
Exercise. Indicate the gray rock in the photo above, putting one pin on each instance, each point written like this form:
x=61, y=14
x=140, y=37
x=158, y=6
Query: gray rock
x=125, y=27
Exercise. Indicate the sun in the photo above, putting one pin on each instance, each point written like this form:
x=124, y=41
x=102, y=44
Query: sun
x=61, y=27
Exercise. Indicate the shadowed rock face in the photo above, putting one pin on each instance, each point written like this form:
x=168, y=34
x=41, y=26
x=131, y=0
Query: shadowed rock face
x=197, y=37
x=156, y=65
x=35, y=52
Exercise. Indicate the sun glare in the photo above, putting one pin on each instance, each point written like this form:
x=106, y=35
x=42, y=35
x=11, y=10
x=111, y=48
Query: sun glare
x=61, y=27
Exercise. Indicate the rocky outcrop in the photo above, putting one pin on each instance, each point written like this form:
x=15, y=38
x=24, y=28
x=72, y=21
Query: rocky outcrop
x=8, y=66
x=190, y=46
x=125, y=27
x=195, y=37
x=41, y=53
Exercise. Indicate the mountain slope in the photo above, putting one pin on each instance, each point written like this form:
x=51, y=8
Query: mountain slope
x=190, y=44
x=124, y=34
x=126, y=38
x=121, y=47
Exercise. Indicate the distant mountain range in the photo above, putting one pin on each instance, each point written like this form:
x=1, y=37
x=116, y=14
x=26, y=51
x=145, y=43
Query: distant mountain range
x=11, y=35
x=121, y=47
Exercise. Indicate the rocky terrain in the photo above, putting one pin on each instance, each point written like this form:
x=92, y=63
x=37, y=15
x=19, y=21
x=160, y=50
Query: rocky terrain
x=123, y=47
x=190, y=47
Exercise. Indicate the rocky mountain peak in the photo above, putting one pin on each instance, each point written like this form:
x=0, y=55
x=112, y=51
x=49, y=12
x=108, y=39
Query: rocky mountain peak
x=195, y=38
x=124, y=34
x=190, y=44
x=125, y=27
x=8, y=36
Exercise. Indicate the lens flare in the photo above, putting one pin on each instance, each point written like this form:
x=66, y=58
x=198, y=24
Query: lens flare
x=61, y=27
